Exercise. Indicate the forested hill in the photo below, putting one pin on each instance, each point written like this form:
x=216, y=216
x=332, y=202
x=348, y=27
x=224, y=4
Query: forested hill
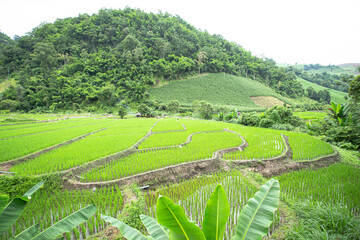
x=331, y=76
x=115, y=55
x=5, y=39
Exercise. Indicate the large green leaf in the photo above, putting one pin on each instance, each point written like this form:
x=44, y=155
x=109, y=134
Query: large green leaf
x=333, y=107
x=258, y=213
x=11, y=213
x=4, y=198
x=217, y=213
x=28, y=233
x=154, y=228
x=127, y=231
x=68, y=223
x=173, y=217
x=33, y=189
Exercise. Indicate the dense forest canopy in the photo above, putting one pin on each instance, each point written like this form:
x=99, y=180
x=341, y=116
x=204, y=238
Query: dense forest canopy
x=115, y=55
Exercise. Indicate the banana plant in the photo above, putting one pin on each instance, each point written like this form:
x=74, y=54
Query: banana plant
x=155, y=230
x=9, y=213
x=340, y=113
x=253, y=222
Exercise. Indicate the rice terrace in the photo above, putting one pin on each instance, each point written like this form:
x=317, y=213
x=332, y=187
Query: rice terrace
x=134, y=125
x=183, y=158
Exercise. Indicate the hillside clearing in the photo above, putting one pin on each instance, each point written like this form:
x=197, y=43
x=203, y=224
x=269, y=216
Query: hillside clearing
x=267, y=102
x=218, y=89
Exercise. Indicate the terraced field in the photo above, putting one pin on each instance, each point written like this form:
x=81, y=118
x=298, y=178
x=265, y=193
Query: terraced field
x=219, y=89
x=99, y=156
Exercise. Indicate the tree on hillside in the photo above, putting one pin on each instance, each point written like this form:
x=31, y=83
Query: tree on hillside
x=204, y=109
x=143, y=110
x=202, y=56
x=324, y=96
x=354, y=90
x=311, y=93
x=162, y=46
x=173, y=106
x=44, y=57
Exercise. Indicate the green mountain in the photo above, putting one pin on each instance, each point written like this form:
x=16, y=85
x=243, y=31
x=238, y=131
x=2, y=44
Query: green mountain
x=116, y=55
x=330, y=76
x=336, y=96
x=222, y=90
x=4, y=39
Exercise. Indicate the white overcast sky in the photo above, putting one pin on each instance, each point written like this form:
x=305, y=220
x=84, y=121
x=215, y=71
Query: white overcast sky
x=289, y=31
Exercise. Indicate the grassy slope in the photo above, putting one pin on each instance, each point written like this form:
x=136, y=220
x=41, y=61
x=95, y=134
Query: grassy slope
x=219, y=89
x=336, y=96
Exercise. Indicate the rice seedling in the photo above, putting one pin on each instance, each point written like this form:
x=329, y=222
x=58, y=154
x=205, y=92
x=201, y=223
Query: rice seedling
x=263, y=144
x=48, y=208
x=176, y=138
x=306, y=147
x=17, y=147
x=168, y=124
x=193, y=195
x=336, y=184
x=47, y=127
x=202, y=147
x=114, y=139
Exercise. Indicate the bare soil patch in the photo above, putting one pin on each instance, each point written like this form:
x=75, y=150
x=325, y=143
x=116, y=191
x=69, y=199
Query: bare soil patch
x=267, y=102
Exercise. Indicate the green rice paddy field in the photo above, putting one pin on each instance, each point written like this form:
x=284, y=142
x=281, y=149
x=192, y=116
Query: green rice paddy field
x=153, y=144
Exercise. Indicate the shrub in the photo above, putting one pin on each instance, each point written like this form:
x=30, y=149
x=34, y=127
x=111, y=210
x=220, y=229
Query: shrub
x=8, y=105
x=173, y=106
x=162, y=107
x=250, y=119
x=204, y=109
x=122, y=111
x=144, y=110
x=266, y=123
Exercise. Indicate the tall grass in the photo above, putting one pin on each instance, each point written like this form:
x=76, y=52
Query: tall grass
x=324, y=221
x=336, y=184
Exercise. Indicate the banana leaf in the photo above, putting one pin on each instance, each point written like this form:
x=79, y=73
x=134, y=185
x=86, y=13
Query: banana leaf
x=173, y=217
x=127, y=231
x=11, y=213
x=217, y=213
x=29, y=233
x=155, y=230
x=258, y=214
x=67, y=224
x=4, y=198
